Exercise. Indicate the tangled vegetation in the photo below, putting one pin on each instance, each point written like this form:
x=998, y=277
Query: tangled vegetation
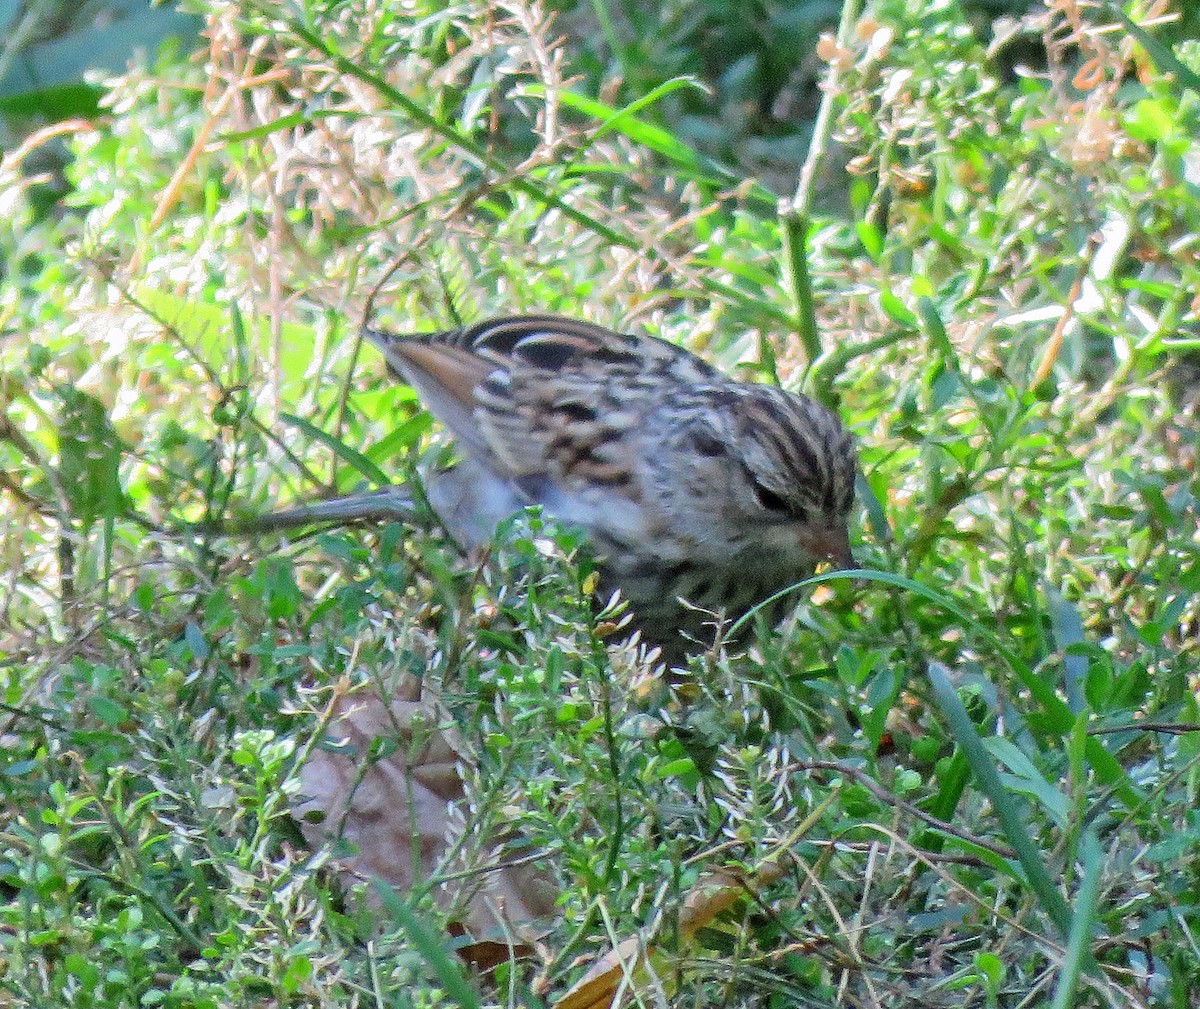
x=972, y=768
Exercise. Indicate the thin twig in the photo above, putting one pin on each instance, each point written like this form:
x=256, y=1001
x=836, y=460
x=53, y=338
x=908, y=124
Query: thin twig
x=884, y=795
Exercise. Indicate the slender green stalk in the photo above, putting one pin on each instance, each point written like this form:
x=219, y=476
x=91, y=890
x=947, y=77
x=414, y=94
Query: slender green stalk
x=794, y=214
x=1083, y=922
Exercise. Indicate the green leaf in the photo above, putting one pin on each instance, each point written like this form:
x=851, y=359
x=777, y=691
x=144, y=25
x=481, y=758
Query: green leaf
x=55, y=103
x=795, y=249
x=89, y=457
x=873, y=503
x=109, y=712
x=402, y=437
x=896, y=310
x=1027, y=779
x=305, y=117
x=872, y=240
x=298, y=972
x=677, y=768
x=20, y=767
x=83, y=969
x=195, y=640
x=936, y=330
x=280, y=591
x=952, y=782
x=1150, y=121
x=343, y=451
x=992, y=968
x=1068, y=630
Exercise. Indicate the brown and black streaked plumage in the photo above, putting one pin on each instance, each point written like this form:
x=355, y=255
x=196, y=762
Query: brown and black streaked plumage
x=689, y=484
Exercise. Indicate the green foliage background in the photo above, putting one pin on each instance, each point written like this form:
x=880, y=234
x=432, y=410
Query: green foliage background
x=981, y=760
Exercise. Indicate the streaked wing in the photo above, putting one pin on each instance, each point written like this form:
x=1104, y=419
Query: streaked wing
x=445, y=376
x=532, y=396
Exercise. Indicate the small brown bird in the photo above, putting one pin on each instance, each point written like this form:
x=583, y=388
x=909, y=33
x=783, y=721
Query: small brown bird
x=689, y=484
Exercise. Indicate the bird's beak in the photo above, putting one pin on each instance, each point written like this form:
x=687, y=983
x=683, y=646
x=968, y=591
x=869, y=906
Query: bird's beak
x=831, y=543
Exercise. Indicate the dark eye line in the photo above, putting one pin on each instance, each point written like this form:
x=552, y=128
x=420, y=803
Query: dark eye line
x=771, y=501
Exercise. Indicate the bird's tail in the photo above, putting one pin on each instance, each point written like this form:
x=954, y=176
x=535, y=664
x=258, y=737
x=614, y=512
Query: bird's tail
x=395, y=504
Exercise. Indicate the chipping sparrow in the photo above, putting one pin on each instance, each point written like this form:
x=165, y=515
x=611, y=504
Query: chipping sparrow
x=688, y=483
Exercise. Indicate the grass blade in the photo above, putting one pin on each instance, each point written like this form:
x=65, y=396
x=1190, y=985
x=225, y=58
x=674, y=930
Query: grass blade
x=1012, y=822
x=431, y=948
x=655, y=138
x=1083, y=923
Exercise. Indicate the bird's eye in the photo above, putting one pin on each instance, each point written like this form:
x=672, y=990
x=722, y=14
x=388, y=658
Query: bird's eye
x=771, y=501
